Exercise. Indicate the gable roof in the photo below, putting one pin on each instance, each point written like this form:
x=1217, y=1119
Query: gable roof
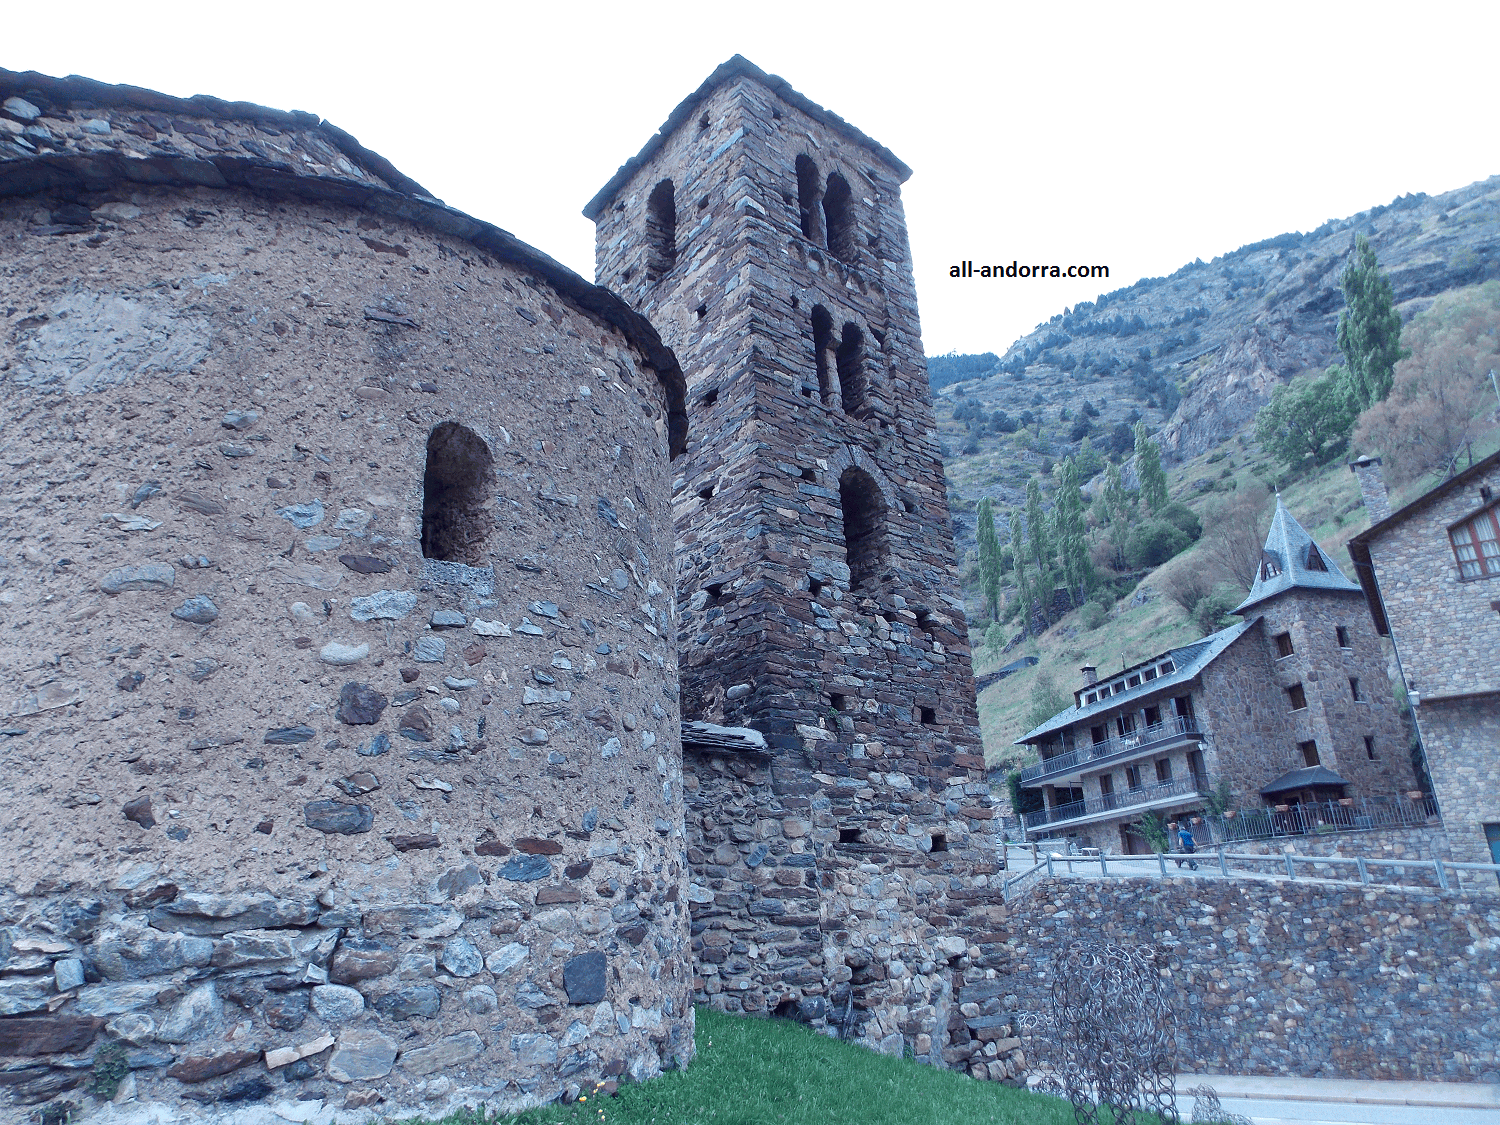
x=737, y=67
x=1359, y=546
x=1284, y=563
x=1187, y=662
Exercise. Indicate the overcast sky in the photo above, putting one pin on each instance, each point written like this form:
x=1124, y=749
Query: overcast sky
x=1137, y=136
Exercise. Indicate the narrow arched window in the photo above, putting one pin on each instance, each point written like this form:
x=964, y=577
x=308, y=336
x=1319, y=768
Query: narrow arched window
x=838, y=215
x=661, y=230
x=864, y=528
x=456, y=490
x=822, y=326
x=850, y=360
x=809, y=195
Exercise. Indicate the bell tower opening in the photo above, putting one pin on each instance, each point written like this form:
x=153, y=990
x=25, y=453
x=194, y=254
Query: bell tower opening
x=838, y=216
x=661, y=230
x=809, y=196
x=456, y=491
x=822, y=326
x=851, y=366
x=864, y=528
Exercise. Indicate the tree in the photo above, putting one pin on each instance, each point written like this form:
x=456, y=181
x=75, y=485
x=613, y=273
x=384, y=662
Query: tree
x=989, y=557
x=1072, y=533
x=1369, y=332
x=1116, y=499
x=1046, y=699
x=1038, y=541
x=1234, y=532
x=1442, y=394
x=1089, y=461
x=1148, y=468
x=1023, y=575
x=1309, y=417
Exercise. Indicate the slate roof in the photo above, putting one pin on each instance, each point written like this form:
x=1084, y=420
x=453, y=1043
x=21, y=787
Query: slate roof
x=1287, y=550
x=1187, y=662
x=710, y=736
x=1307, y=777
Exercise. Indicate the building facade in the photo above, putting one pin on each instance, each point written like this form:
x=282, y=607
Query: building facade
x=1291, y=706
x=1431, y=573
x=818, y=595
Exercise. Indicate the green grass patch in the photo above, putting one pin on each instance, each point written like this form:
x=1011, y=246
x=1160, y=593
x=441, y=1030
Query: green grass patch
x=774, y=1072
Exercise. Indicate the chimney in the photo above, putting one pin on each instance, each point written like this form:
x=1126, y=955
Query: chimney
x=1372, y=487
x=1090, y=675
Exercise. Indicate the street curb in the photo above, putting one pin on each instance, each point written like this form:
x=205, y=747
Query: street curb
x=1446, y=1095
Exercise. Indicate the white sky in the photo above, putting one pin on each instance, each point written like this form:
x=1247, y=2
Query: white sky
x=1137, y=136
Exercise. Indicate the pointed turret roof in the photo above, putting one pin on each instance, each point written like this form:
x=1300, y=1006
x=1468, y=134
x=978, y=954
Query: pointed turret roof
x=1291, y=560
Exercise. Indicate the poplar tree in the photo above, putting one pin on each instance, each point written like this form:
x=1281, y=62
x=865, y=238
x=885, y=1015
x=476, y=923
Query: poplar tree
x=1039, y=542
x=1369, y=332
x=1116, y=500
x=1072, y=533
x=1023, y=577
x=1148, y=468
x=989, y=557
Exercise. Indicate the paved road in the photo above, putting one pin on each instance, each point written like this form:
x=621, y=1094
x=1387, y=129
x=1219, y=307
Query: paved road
x=1312, y=1101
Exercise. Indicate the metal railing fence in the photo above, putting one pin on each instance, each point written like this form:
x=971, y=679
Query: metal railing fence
x=1136, y=742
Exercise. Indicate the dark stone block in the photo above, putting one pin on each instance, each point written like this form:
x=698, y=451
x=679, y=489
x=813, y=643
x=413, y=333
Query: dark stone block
x=360, y=704
x=422, y=841
x=526, y=868
x=139, y=810
x=365, y=564
x=26, y=1036
x=287, y=736
x=200, y=1068
x=456, y=881
x=335, y=816
x=584, y=978
x=285, y=1011
x=358, y=959
x=404, y=1003
x=533, y=846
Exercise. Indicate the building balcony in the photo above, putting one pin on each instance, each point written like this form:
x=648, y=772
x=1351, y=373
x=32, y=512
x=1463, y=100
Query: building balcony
x=1147, y=798
x=1147, y=740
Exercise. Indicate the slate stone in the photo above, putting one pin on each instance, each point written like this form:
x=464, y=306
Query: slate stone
x=141, y=953
x=366, y=564
x=607, y=513
x=358, y=959
x=360, y=704
x=448, y=619
x=303, y=516
x=525, y=868
x=461, y=957
x=139, y=811
x=336, y=817
x=288, y=736
x=419, y=922
x=551, y=896
x=584, y=978
x=337, y=1003
x=489, y=845
x=457, y=880
x=29, y=1036
x=358, y=784
x=533, y=845
x=507, y=957
x=416, y=724
x=404, y=1003
x=454, y=1050
x=376, y=746
x=115, y=999
x=362, y=1055
x=191, y=1017
x=200, y=1068
x=151, y=576
x=544, y=609
x=482, y=1000
x=422, y=841
x=203, y=668
x=197, y=912
x=757, y=855
x=239, y=419
x=67, y=974
x=591, y=819
x=198, y=610
x=383, y=605
x=430, y=650
x=286, y=1011
x=340, y=654
x=454, y=683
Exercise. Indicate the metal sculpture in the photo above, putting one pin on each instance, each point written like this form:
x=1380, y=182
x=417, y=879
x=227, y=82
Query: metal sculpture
x=1113, y=1047
x=1207, y=1109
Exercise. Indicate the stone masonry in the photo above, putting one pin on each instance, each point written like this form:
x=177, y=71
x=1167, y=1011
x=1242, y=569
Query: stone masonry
x=341, y=741
x=816, y=581
x=1446, y=628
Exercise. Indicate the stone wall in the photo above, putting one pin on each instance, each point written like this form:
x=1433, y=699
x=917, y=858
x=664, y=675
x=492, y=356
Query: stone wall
x=1283, y=978
x=293, y=808
x=1447, y=632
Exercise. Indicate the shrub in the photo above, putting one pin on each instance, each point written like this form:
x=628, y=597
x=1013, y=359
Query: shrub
x=1152, y=542
x=1183, y=518
x=1092, y=615
x=1212, y=612
x=994, y=637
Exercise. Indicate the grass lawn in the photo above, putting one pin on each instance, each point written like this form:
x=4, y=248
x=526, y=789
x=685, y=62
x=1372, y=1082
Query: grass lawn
x=768, y=1072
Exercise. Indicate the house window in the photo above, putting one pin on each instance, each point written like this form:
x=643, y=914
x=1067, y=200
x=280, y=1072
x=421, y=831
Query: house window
x=1099, y=734
x=1166, y=669
x=850, y=359
x=1370, y=747
x=864, y=527
x=1184, y=706
x=939, y=841
x=456, y=488
x=1270, y=566
x=809, y=196
x=1127, y=725
x=1163, y=770
x=1309, y=752
x=838, y=701
x=929, y=716
x=1133, y=681
x=822, y=326
x=1476, y=544
x=1092, y=697
x=1195, y=767
x=1354, y=689
x=1297, y=696
x=1284, y=645
x=1343, y=636
x=849, y=835
x=1153, y=716
x=1107, y=790
x=838, y=214
x=1133, y=777
x=1315, y=559
x=661, y=230
x=1149, y=674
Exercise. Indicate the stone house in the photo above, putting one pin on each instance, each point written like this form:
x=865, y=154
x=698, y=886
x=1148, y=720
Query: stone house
x=840, y=855
x=1429, y=572
x=1290, y=706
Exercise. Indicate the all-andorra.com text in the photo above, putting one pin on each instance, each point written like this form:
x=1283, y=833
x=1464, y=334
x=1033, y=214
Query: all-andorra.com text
x=969, y=269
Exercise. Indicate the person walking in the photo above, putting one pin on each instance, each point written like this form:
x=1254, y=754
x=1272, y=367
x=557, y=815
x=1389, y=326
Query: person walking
x=1186, y=843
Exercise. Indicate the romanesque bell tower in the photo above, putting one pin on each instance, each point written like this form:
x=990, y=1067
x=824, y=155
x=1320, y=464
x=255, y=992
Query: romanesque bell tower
x=764, y=238
x=848, y=844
